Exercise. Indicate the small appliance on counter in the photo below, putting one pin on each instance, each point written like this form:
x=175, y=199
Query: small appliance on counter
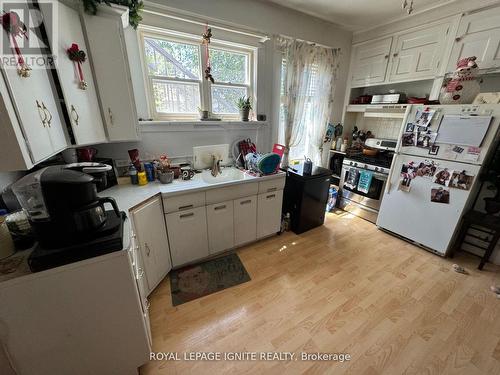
x=305, y=197
x=68, y=218
x=101, y=169
x=391, y=98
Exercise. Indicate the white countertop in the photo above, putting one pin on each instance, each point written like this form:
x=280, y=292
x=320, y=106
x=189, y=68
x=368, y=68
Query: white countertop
x=129, y=196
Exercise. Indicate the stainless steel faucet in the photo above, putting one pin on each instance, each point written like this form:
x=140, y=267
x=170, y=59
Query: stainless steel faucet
x=215, y=170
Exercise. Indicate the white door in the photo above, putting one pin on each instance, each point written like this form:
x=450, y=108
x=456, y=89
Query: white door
x=187, y=233
x=245, y=220
x=220, y=227
x=269, y=213
x=478, y=35
x=153, y=241
x=114, y=83
x=82, y=105
x=417, y=54
x=370, y=62
x=413, y=215
x=35, y=103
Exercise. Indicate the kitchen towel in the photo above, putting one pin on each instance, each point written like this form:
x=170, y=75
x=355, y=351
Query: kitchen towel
x=365, y=180
x=352, y=178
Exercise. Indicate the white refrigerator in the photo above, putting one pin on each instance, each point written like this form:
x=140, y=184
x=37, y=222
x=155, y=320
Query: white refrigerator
x=414, y=205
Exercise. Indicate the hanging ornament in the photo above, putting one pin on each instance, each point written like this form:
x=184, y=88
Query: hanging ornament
x=207, y=35
x=78, y=56
x=16, y=28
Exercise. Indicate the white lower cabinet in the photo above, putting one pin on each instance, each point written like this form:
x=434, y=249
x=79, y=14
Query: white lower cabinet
x=269, y=213
x=245, y=220
x=220, y=227
x=152, y=241
x=187, y=234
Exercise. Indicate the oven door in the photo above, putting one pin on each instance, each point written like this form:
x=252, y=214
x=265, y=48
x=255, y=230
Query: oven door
x=373, y=197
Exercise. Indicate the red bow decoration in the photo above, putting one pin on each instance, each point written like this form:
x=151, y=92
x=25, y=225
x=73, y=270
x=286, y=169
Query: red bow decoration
x=78, y=56
x=12, y=24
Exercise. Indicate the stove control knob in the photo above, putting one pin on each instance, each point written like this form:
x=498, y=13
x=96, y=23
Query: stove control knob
x=376, y=169
x=366, y=167
x=355, y=164
x=382, y=170
x=351, y=163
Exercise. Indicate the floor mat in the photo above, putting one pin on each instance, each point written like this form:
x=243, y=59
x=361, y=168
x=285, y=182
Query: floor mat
x=191, y=282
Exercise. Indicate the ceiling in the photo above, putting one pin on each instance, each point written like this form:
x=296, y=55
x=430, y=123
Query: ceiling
x=357, y=14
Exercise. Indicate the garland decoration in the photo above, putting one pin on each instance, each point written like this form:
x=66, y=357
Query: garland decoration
x=78, y=56
x=12, y=24
x=207, y=35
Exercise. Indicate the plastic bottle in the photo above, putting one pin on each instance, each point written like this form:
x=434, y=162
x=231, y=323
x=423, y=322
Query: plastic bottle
x=7, y=247
x=133, y=175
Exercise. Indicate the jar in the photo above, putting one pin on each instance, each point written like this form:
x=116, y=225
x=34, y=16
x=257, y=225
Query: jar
x=7, y=247
x=142, y=178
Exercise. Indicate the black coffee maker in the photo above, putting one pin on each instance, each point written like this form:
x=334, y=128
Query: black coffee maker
x=68, y=218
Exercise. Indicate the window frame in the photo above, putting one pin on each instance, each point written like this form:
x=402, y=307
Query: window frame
x=205, y=86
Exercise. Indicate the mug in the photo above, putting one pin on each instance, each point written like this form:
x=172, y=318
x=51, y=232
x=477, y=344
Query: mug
x=187, y=173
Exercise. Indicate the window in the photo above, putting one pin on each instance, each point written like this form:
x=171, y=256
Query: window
x=175, y=76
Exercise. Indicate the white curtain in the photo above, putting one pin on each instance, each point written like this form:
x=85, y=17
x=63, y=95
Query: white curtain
x=307, y=78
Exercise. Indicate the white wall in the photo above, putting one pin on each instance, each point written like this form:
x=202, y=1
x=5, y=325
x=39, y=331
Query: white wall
x=257, y=16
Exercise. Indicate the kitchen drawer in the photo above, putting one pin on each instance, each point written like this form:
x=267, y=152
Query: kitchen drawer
x=231, y=192
x=183, y=202
x=272, y=185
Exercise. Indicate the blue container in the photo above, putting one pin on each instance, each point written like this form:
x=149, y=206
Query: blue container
x=150, y=171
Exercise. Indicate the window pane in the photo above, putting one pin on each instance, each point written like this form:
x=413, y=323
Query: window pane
x=224, y=98
x=176, y=97
x=172, y=59
x=229, y=67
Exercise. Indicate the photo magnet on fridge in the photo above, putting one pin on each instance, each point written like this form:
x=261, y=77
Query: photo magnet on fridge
x=404, y=184
x=424, y=117
x=460, y=180
x=440, y=195
x=409, y=128
x=434, y=150
x=425, y=140
x=409, y=139
x=442, y=177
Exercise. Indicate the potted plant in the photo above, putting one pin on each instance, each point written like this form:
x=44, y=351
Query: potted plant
x=165, y=174
x=204, y=114
x=244, y=106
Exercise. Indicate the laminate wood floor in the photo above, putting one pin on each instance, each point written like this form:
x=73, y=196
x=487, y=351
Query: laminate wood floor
x=346, y=287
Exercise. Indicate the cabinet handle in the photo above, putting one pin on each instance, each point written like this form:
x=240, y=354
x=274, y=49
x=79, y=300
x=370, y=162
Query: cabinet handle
x=186, y=215
x=458, y=39
x=148, y=250
x=110, y=116
x=140, y=274
x=220, y=207
x=74, y=115
x=148, y=305
x=395, y=55
x=40, y=112
x=185, y=207
x=49, y=119
x=245, y=202
x=386, y=56
x=271, y=189
x=270, y=196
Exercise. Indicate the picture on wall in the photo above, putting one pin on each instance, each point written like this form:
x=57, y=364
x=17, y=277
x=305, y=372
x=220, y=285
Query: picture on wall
x=442, y=177
x=460, y=180
x=440, y=195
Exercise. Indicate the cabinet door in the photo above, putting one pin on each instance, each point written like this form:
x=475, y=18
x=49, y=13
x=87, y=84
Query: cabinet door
x=114, y=83
x=220, y=227
x=187, y=233
x=417, y=54
x=269, y=213
x=153, y=241
x=478, y=35
x=37, y=111
x=82, y=105
x=245, y=220
x=370, y=62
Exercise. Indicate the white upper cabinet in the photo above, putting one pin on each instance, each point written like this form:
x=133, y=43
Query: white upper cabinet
x=82, y=105
x=417, y=54
x=370, y=62
x=108, y=49
x=478, y=35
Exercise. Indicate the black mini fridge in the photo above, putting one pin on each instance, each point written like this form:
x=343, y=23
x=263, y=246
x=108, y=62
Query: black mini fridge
x=305, y=197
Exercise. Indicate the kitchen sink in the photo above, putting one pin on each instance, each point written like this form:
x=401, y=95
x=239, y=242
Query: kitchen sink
x=227, y=174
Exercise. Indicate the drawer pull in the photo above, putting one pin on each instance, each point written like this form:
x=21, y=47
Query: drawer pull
x=148, y=305
x=148, y=250
x=272, y=189
x=185, y=207
x=220, y=207
x=140, y=274
x=270, y=196
x=246, y=202
x=186, y=215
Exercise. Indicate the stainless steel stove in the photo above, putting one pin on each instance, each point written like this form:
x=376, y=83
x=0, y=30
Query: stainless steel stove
x=365, y=202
